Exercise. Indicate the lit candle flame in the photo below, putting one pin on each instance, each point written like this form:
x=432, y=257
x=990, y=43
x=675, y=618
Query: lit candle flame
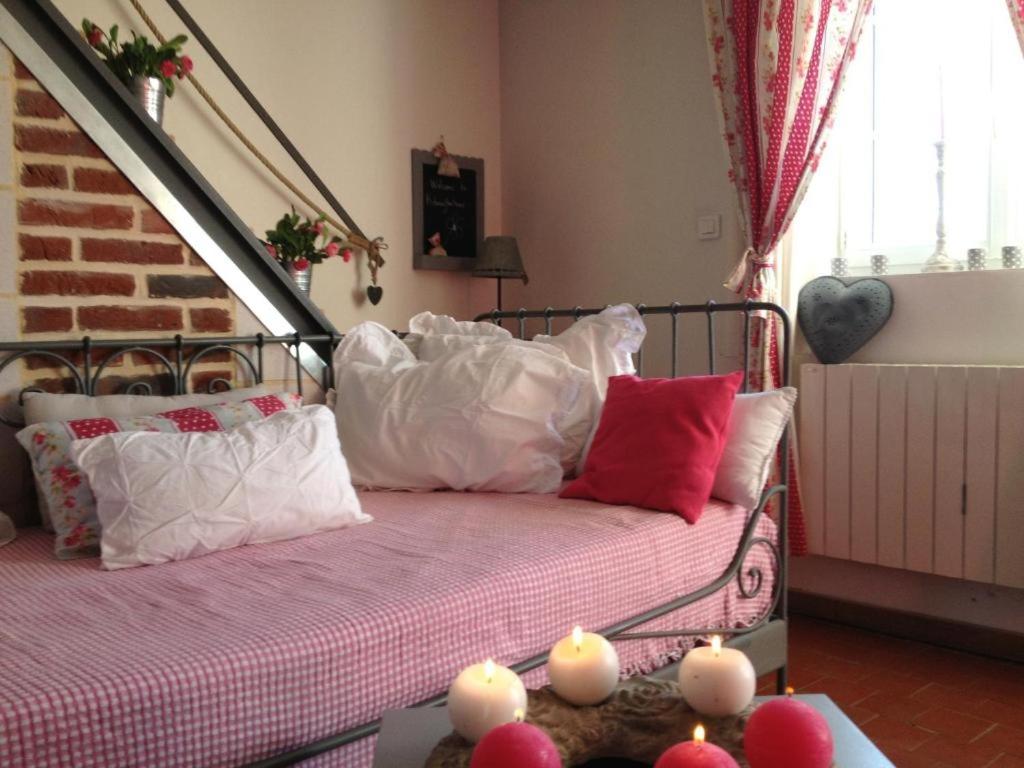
x=716, y=645
x=577, y=637
x=489, y=670
x=789, y=690
x=698, y=735
x=518, y=716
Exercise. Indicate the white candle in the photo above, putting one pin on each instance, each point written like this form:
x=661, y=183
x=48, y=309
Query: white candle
x=584, y=668
x=483, y=697
x=717, y=681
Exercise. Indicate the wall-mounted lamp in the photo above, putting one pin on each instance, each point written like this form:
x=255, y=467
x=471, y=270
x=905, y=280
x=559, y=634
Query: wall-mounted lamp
x=500, y=259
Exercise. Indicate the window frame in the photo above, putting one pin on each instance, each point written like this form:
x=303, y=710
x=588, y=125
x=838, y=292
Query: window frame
x=1001, y=188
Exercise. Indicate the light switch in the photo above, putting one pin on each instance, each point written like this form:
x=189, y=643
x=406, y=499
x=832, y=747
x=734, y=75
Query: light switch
x=709, y=227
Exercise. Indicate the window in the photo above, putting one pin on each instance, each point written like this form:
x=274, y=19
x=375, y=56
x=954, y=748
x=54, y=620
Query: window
x=927, y=71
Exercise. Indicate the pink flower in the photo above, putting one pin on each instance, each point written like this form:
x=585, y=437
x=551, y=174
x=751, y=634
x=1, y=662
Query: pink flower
x=186, y=64
x=318, y=227
x=95, y=36
x=346, y=255
x=332, y=249
x=167, y=68
x=77, y=534
x=301, y=264
x=271, y=249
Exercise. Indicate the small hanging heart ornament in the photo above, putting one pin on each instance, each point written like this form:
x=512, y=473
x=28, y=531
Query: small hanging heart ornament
x=838, y=318
x=374, y=294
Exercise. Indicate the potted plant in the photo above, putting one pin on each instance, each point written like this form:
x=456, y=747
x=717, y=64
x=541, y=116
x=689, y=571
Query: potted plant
x=147, y=70
x=298, y=243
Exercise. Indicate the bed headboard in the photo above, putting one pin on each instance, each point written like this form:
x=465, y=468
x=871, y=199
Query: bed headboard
x=83, y=362
x=86, y=360
x=86, y=365
x=90, y=367
x=672, y=312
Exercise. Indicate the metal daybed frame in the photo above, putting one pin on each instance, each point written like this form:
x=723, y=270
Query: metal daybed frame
x=764, y=640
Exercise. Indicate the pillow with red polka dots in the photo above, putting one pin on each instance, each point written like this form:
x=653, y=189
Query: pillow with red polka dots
x=65, y=488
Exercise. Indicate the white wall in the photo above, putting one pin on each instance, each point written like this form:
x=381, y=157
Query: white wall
x=610, y=151
x=961, y=318
x=355, y=85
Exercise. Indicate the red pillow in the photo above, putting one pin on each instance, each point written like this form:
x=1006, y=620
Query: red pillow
x=658, y=443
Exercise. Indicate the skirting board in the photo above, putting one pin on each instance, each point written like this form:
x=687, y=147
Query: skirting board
x=971, y=638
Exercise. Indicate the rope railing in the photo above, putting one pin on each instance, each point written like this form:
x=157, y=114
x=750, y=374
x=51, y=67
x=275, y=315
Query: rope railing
x=372, y=247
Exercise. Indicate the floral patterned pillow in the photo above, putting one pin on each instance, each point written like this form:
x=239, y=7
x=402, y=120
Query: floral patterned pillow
x=68, y=496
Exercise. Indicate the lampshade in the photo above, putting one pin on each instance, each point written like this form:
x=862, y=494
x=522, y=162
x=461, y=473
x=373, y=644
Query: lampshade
x=500, y=258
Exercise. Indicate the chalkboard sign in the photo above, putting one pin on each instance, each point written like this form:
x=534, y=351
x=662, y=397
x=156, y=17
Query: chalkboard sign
x=447, y=213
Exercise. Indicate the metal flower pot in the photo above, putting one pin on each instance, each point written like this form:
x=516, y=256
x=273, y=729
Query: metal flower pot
x=151, y=92
x=302, y=278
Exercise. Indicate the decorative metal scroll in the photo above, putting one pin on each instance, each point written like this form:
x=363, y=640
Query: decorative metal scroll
x=174, y=358
x=80, y=382
x=749, y=580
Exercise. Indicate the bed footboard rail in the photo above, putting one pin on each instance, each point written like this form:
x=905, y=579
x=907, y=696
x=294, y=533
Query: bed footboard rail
x=621, y=631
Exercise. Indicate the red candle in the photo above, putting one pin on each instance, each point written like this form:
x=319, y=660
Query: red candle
x=516, y=745
x=787, y=732
x=696, y=754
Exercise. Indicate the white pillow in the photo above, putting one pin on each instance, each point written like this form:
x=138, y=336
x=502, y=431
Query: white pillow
x=169, y=496
x=577, y=424
x=434, y=345
x=603, y=344
x=41, y=407
x=756, y=426
x=428, y=323
x=44, y=406
x=483, y=418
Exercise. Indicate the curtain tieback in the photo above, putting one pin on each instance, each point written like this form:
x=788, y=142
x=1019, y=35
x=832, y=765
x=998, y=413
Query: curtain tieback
x=746, y=270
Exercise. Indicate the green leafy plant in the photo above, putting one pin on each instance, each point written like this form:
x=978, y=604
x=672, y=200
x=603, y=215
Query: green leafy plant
x=304, y=241
x=139, y=57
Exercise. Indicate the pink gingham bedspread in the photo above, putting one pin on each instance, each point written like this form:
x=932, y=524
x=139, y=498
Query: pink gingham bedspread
x=244, y=654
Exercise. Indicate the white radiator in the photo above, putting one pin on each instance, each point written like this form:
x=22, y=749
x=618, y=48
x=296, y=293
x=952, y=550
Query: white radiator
x=916, y=466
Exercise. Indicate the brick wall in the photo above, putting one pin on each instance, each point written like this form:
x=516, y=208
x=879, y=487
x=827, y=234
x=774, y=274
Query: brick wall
x=88, y=253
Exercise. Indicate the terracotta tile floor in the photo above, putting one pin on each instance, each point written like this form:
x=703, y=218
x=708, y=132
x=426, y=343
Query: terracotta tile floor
x=924, y=706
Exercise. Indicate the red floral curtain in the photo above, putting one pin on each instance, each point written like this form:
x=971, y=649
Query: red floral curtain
x=777, y=68
x=1017, y=15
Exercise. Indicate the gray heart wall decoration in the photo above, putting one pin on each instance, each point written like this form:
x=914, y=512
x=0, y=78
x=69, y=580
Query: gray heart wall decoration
x=838, y=318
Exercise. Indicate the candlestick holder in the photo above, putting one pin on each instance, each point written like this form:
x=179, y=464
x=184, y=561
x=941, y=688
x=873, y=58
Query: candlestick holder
x=976, y=258
x=940, y=261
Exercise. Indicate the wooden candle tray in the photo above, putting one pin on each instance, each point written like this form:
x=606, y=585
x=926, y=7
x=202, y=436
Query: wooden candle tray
x=639, y=721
